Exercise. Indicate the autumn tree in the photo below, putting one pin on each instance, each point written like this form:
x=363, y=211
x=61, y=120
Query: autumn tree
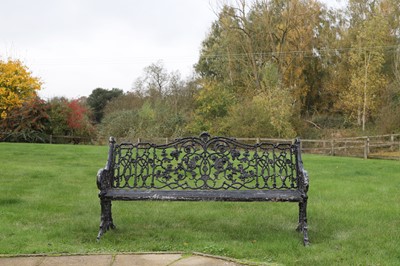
x=389, y=114
x=227, y=55
x=17, y=85
x=295, y=37
x=58, y=115
x=367, y=58
x=26, y=123
x=70, y=118
x=212, y=103
x=79, y=120
x=255, y=45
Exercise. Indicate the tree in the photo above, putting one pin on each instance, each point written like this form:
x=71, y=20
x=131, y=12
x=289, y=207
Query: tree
x=263, y=32
x=17, y=85
x=79, y=118
x=119, y=124
x=265, y=115
x=213, y=103
x=128, y=101
x=367, y=58
x=154, y=82
x=162, y=100
x=389, y=114
x=26, y=123
x=99, y=98
x=222, y=60
x=70, y=118
x=391, y=11
x=59, y=113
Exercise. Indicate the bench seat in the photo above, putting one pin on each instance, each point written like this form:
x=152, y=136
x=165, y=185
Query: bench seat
x=205, y=195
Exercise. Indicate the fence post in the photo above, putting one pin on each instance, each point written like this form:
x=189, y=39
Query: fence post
x=392, y=142
x=333, y=147
x=366, y=148
x=51, y=139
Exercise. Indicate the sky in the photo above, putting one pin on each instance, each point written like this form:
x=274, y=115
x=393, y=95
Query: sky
x=76, y=46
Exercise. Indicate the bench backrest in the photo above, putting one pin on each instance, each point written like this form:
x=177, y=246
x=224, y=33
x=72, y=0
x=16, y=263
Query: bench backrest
x=205, y=163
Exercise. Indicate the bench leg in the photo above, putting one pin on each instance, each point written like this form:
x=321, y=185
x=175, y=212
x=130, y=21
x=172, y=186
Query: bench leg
x=302, y=227
x=106, y=221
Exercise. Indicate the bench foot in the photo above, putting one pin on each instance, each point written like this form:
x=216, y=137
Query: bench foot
x=302, y=227
x=104, y=227
x=106, y=221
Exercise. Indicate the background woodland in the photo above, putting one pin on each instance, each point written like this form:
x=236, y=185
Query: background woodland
x=272, y=68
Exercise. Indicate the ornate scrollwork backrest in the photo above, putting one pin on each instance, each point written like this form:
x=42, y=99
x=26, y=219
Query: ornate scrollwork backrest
x=205, y=162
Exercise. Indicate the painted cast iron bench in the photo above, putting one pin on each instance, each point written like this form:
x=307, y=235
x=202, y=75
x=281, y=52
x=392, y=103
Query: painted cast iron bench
x=203, y=168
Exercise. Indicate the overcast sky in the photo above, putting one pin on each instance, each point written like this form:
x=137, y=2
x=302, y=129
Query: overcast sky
x=76, y=46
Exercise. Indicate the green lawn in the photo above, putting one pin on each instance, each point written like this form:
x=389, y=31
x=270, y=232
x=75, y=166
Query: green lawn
x=49, y=204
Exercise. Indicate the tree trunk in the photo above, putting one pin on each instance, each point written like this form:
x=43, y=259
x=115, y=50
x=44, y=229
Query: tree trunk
x=365, y=97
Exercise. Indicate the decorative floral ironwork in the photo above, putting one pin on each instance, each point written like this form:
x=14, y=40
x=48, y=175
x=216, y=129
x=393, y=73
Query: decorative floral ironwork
x=203, y=168
x=206, y=163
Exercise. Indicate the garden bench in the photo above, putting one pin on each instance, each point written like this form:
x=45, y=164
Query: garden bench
x=203, y=168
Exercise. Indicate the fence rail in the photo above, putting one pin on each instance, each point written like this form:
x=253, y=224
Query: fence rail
x=381, y=146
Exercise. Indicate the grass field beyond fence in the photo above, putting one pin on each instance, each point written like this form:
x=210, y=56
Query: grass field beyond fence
x=49, y=204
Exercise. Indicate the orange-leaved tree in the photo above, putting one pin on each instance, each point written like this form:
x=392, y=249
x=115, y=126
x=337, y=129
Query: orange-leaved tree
x=17, y=85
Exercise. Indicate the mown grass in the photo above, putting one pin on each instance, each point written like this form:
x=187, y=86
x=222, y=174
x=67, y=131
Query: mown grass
x=49, y=204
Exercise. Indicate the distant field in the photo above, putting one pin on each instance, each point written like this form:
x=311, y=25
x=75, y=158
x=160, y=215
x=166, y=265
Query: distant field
x=49, y=204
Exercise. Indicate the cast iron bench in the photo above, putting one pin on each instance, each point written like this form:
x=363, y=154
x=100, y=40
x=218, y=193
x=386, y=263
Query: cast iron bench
x=203, y=168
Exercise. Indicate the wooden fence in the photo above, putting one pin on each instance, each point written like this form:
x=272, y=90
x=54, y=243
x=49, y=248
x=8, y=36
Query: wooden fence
x=382, y=146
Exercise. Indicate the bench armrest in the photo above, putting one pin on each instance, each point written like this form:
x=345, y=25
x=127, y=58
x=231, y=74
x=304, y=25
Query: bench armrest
x=104, y=175
x=305, y=179
x=102, y=182
x=303, y=175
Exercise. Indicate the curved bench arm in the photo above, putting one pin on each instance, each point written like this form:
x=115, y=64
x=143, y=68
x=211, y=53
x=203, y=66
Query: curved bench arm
x=303, y=175
x=305, y=179
x=101, y=179
x=104, y=175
